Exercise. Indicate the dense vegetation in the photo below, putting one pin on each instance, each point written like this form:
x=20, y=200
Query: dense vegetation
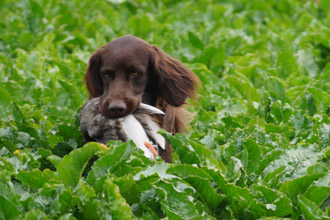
x=258, y=147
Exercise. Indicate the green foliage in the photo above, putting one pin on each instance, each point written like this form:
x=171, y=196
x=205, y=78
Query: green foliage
x=258, y=146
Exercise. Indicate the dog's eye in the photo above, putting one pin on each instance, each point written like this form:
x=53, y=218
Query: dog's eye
x=134, y=74
x=107, y=75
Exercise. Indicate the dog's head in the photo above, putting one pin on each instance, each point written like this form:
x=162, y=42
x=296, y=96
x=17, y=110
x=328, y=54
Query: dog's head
x=128, y=70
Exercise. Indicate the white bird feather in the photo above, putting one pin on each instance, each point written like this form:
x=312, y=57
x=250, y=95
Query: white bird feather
x=136, y=133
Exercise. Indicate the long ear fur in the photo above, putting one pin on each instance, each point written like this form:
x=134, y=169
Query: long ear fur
x=93, y=78
x=176, y=82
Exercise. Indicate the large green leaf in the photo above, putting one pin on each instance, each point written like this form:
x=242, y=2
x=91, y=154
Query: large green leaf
x=71, y=167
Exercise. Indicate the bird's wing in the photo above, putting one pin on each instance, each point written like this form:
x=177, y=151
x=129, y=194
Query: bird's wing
x=148, y=109
x=151, y=128
x=135, y=132
x=90, y=118
x=93, y=123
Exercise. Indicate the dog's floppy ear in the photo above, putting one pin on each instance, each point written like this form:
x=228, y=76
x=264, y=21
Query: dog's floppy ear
x=93, y=78
x=176, y=82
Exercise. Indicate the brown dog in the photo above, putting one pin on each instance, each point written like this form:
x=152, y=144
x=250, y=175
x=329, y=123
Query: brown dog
x=128, y=71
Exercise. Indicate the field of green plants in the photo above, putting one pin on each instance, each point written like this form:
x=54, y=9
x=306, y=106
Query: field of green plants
x=259, y=143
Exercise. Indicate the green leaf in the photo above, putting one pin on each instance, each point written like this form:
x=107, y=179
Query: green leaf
x=84, y=192
x=67, y=201
x=119, y=209
x=317, y=194
x=243, y=203
x=244, y=87
x=71, y=167
x=253, y=155
x=325, y=134
x=36, y=9
x=177, y=203
x=18, y=115
x=200, y=181
x=272, y=178
x=234, y=169
x=297, y=186
x=319, y=191
x=296, y=160
x=266, y=160
x=73, y=92
x=306, y=59
x=52, y=199
x=277, y=203
x=35, y=178
x=67, y=217
x=213, y=58
x=185, y=151
x=5, y=97
x=310, y=104
x=128, y=189
x=287, y=63
x=277, y=89
x=121, y=151
x=62, y=148
x=8, y=210
x=206, y=155
x=159, y=169
x=195, y=41
x=208, y=194
x=71, y=134
x=310, y=210
x=95, y=209
x=34, y=214
x=54, y=159
x=5, y=100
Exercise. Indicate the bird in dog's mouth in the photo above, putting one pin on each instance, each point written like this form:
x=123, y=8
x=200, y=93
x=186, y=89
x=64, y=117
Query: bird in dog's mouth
x=138, y=126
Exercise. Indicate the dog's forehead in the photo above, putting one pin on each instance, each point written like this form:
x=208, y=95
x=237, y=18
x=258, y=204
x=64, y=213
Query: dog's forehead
x=127, y=44
x=126, y=51
x=128, y=40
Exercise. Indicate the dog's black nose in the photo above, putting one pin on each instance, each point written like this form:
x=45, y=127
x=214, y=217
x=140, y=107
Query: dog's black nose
x=117, y=108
